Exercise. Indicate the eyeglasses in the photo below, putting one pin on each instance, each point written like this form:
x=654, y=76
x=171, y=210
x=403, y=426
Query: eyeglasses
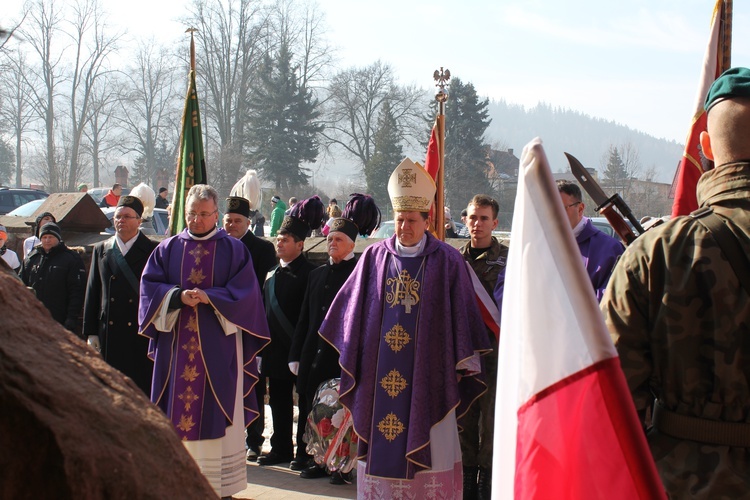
x=125, y=217
x=573, y=204
x=202, y=215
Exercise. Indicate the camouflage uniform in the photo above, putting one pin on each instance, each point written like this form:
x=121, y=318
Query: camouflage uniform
x=475, y=453
x=681, y=322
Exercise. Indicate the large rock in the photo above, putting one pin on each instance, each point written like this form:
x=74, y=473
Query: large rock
x=73, y=427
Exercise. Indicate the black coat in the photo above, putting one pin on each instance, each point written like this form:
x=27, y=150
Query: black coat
x=263, y=254
x=289, y=284
x=111, y=309
x=59, y=281
x=318, y=361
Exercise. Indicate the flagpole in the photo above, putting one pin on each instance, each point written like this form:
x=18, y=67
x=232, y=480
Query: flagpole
x=726, y=36
x=441, y=96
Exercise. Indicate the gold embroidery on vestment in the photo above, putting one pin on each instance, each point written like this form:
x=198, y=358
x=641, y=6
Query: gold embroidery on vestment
x=403, y=290
x=191, y=347
x=397, y=338
x=192, y=324
x=186, y=423
x=188, y=397
x=390, y=427
x=190, y=373
x=196, y=276
x=198, y=253
x=393, y=383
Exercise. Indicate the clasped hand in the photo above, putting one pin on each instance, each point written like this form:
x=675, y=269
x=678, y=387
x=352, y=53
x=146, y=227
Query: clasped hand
x=191, y=298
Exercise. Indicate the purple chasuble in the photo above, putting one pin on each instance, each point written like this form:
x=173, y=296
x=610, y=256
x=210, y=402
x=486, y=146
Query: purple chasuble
x=449, y=330
x=600, y=253
x=195, y=364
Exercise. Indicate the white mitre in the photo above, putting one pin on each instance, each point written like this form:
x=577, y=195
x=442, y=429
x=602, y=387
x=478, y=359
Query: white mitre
x=411, y=188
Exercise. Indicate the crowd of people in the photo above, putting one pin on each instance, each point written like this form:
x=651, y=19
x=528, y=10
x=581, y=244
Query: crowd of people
x=208, y=320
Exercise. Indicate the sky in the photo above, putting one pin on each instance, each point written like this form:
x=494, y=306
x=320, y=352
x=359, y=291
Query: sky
x=636, y=63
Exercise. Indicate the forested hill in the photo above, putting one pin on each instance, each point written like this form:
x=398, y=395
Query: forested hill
x=586, y=138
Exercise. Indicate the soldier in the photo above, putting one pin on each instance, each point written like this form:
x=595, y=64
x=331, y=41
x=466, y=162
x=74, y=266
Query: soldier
x=678, y=310
x=110, y=311
x=487, y=258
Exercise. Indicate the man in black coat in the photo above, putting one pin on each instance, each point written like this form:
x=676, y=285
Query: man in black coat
x=283, y=293
x=57, y=275
x=110, y=312
x=263, y=253
x=314, y=358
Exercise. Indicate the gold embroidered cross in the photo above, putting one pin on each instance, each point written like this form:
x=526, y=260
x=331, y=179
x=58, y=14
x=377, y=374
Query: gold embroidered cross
x=188, y=397
x=393, y=383
x=196, y=276
x=406, y=178
x=390, y=427
x=198, y=253
x=191, y=347
x=397, y=338
x=192, y=323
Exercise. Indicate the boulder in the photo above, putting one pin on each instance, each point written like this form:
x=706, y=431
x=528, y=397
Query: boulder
x=71, y=426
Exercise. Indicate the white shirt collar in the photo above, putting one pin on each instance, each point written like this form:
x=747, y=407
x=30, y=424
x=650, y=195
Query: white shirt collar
x=201, y=238
x=125, y=246
x=577, y=230
x=348, y=257
x=403, y=251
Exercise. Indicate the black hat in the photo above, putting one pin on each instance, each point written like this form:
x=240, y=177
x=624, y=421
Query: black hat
x=51, y=228
x=39, y=221
x=345, y=226
x=162, y=189
x=131, y=202
x=295, y=226
x=238, y=205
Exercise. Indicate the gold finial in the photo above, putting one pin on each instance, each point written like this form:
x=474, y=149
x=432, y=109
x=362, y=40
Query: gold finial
x=441, y=76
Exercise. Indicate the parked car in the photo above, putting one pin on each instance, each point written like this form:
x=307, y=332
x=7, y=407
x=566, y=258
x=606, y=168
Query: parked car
x=603, y=225
x=100, y=192
x=12, y=198
x=157, y=224
x=27, y=209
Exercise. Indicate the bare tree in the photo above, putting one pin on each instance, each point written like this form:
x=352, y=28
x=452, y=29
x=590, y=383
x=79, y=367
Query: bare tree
x=16, y=110
x=92, y=46
x=150, y=106
x=353, y=103
x=102, y=123
x=228, y=49
x=40, y=31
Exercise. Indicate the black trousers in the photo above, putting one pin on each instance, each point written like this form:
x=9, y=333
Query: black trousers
x=281, y=401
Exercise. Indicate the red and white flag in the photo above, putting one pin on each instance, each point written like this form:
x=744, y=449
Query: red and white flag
x=565, y=423
x=715, y=62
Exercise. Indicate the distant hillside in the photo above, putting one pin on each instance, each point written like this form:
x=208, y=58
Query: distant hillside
x=586, y=138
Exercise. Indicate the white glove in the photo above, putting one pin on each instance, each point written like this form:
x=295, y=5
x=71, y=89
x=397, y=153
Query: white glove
x=294, y=367
x=259, y=360
x=93, y=341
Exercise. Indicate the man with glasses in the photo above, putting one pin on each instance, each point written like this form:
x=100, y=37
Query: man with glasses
x=201, y=308
x=110, y=310
x=600, y=252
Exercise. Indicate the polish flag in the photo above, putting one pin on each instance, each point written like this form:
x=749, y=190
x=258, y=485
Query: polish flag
x=565, y=423
x=715, y=62
x=487, y=306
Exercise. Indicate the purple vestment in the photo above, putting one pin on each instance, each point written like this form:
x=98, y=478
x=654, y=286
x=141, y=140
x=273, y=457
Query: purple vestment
x=449, y=330
x=600, y=253
x=195, y=364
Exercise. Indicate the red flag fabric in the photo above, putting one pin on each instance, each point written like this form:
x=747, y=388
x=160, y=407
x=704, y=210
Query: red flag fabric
x=689, y=170
x=565, y=423
x=487, y=306
x=432, y=160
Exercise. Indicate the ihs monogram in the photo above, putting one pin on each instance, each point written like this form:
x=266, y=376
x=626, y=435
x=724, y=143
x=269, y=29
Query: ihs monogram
x=404, y=291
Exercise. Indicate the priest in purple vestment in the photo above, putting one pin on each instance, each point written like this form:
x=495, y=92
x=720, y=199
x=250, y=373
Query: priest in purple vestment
x=201, y=308
x=600, y=251
x=409, y=333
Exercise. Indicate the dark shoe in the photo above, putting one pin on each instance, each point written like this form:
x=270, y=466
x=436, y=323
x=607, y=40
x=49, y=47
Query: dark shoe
x=274, y=458
x=301, y=463
x=470, y=483
x=485, y=484
x=313, y=472
x=252, y=454
x=339, y=478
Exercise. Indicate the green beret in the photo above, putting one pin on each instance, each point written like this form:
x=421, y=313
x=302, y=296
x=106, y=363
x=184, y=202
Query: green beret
x=734, y=82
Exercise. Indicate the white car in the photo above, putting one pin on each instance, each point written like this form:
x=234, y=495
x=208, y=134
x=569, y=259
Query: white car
x=157, y=224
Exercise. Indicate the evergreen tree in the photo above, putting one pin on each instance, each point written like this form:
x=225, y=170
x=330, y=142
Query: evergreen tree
x=388, y=153
x=615, y=173
x=7, y=162
x=282, y=124
x=466, y=163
